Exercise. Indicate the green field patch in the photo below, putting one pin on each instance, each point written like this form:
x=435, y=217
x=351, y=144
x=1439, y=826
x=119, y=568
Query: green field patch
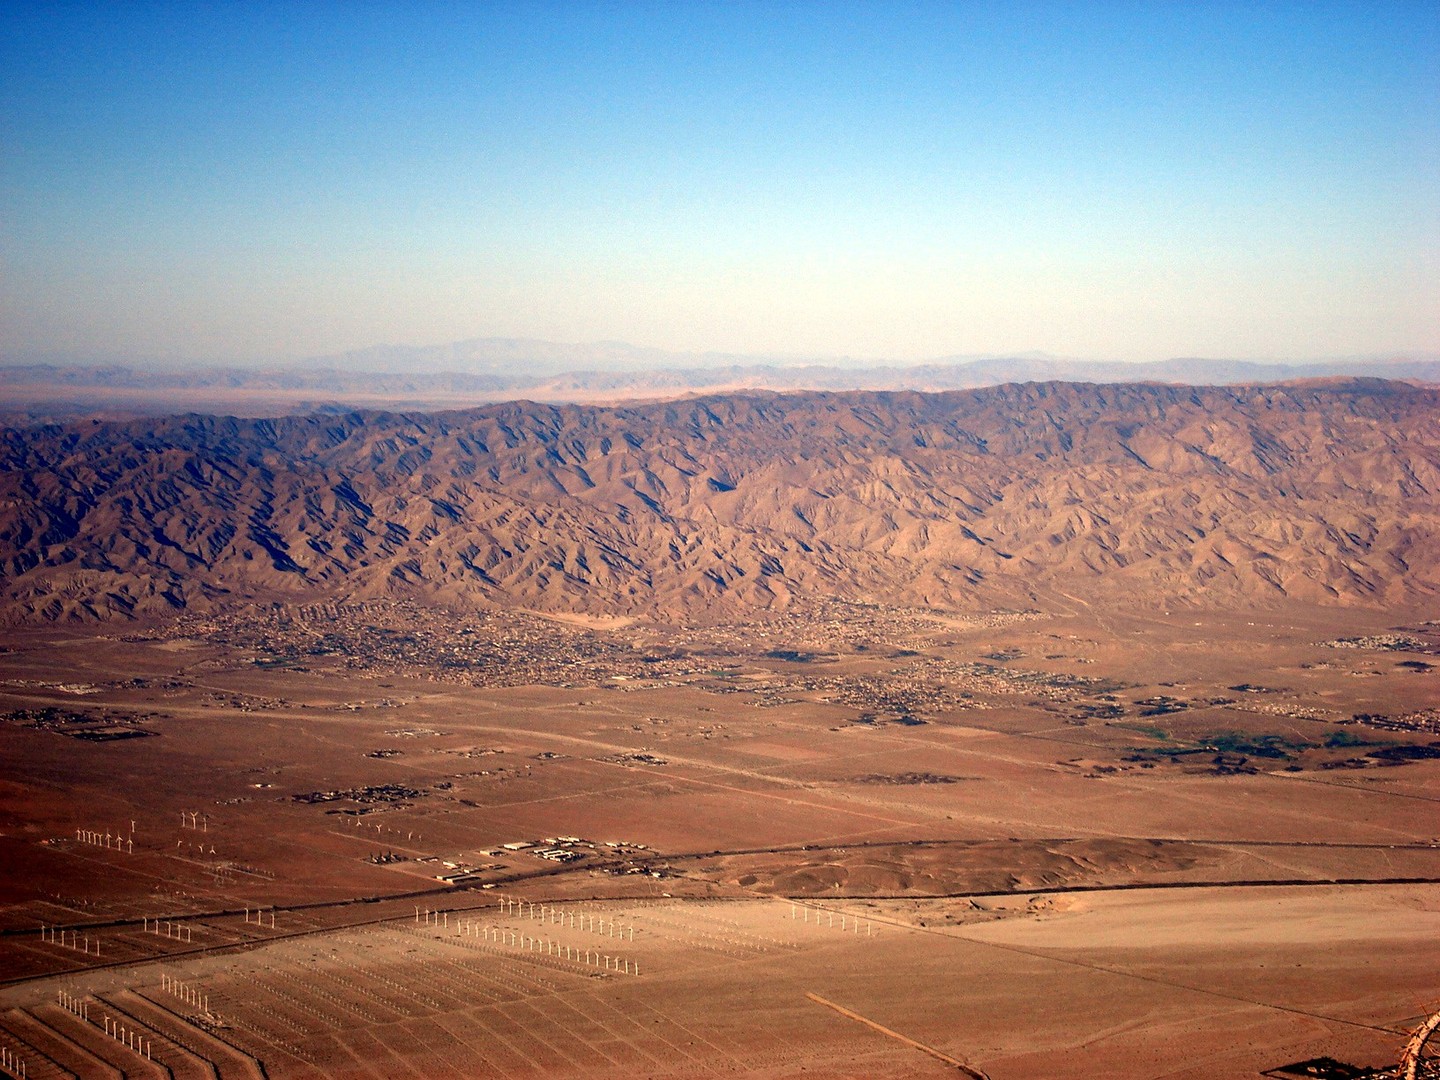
x=1144, y=729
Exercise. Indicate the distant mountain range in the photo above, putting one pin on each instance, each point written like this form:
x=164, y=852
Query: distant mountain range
x=525, y=361
x=493, y=369
x=509, y=357
x=1044, y=494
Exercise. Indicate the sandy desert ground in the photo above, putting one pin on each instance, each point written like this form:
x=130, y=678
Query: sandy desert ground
x=851, y=843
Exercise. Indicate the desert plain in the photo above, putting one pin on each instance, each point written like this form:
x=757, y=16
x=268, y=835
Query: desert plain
x=378, y=840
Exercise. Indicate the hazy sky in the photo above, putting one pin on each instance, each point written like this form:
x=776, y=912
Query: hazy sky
x=244, y=181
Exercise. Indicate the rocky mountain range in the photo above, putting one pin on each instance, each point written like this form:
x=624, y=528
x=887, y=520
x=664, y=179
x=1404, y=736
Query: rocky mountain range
x=702, y=508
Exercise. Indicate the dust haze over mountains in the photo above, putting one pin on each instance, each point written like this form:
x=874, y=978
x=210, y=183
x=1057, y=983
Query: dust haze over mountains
x=1048, y=494
x=484, y=370
x=506, y=358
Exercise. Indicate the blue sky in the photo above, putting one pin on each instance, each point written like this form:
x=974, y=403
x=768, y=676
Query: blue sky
x=250, y=182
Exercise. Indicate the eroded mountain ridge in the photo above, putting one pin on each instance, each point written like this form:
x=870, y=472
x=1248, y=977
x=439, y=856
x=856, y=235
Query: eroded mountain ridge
x=697, y=508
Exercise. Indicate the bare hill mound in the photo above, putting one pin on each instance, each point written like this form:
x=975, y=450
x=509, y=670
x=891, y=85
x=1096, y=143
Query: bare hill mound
x=699, y=508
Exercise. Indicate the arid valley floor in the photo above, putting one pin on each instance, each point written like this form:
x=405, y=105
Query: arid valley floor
x=835, y=841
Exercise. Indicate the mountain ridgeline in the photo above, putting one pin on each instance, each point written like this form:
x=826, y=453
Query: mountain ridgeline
x=708, y=508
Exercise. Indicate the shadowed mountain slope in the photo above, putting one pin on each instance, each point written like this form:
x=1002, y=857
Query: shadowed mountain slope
x=701, y=508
